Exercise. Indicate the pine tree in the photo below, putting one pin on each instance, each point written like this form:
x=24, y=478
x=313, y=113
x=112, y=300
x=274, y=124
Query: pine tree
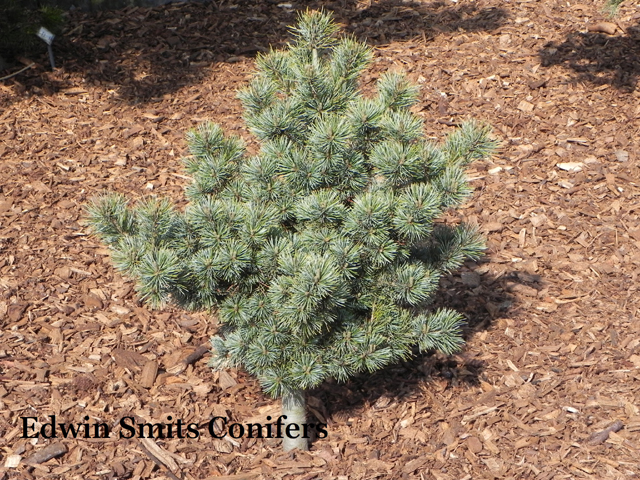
x=320, y=253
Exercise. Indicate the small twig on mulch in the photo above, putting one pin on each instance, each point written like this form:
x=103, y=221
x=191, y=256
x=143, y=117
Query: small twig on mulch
x=182, y=365
x=158, y=462
x=17, y=73
x=47, y=453
x=237, y=476
x=197, y=355
x=602, y=436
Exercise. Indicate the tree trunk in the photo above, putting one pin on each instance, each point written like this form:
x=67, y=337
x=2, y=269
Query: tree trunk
x=294, y=407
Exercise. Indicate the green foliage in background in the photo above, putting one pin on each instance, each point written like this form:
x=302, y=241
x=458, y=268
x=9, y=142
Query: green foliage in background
x=611, y=6
x=19, y=23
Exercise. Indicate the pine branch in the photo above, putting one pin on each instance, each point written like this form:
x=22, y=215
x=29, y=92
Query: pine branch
x=472, y=141
x=315, y=31
x=395, y=92
x=110, y=218
x=441, y=330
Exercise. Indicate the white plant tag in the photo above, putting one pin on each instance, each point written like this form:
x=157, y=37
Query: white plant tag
x=46, y=35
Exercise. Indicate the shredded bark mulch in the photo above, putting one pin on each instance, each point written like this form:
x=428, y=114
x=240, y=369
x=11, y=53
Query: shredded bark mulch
x=548, y=385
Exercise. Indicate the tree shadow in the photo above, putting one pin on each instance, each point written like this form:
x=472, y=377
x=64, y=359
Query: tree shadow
x=481, y=298
x=598, y=58
x=147, y=53
x=388, y=21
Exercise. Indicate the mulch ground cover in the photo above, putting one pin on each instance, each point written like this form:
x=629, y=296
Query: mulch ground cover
x=548, y=385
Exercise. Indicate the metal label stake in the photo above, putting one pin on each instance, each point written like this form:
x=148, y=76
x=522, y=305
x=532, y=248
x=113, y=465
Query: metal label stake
x=48, y=37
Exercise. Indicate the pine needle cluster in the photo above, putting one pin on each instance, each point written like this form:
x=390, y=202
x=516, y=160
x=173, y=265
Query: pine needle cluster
x=320, y=253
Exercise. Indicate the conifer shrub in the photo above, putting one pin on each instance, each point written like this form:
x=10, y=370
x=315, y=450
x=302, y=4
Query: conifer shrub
x=320, y=254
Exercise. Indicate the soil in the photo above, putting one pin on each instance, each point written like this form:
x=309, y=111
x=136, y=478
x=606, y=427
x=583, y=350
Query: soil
x=548, y=384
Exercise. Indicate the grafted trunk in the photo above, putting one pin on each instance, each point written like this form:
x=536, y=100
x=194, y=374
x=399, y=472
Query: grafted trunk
x=294, y=407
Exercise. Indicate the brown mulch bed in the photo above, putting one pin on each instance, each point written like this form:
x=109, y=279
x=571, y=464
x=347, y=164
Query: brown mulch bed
x=553, y=352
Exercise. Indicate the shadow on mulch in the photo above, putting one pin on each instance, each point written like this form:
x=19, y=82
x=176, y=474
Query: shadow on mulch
x=598, y=58
x=145, y=54
x=398, y=383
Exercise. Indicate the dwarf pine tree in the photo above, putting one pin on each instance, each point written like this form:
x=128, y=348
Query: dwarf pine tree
x=320, y=253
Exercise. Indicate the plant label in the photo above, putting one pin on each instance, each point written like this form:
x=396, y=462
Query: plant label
x=46, y=35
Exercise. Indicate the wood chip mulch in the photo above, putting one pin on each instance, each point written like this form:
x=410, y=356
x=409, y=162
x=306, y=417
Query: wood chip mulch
x=548, y=385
